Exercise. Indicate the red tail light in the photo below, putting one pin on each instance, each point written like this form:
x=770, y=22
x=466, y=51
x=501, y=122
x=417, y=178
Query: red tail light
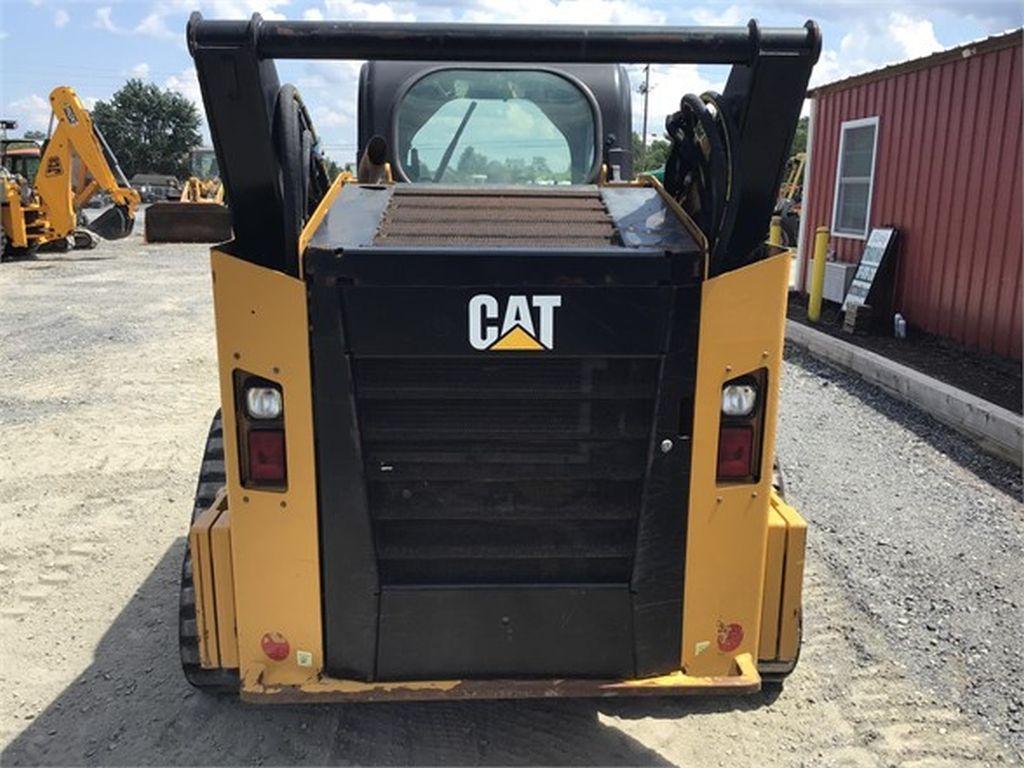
x=735, y=453
x=741, y=429
x=266, y=456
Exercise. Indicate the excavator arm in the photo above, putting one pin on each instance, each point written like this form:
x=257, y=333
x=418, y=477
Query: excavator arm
x=76, y=133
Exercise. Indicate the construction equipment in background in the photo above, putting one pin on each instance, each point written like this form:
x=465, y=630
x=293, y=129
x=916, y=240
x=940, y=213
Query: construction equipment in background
x=790, y=201
x=157, y=187
x=199, y=215
x=20, y=156
x=507, y=430
x=43, y=211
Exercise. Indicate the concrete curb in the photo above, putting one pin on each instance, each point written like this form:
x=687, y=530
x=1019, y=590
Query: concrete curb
x=994, y=429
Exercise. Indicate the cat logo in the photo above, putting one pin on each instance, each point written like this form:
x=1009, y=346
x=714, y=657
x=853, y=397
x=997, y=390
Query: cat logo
x=53, y=166
x=516, y=331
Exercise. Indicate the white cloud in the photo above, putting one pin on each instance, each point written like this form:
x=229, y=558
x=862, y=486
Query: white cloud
x=875, y=41
x=61, y=18
x=32, y=112
x=563, y=12
x=242, y=9
x=498, y=11
x=358, y=10
x=155, y=25
x=915, y=36
x=102, y=19
x=713, y=16
x=669, y=83
x=140, y=70
x=334, y=75
x=187, y=84
x=326, y=117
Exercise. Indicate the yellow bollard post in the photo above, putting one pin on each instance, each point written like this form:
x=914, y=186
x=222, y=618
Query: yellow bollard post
x=775, y=232
x=817, y=274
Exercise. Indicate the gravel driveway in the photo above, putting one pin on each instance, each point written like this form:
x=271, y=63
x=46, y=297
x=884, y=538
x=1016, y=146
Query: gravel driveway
x=914, y=594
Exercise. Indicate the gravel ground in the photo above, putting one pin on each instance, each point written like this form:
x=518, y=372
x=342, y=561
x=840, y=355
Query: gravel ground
x=914, y=592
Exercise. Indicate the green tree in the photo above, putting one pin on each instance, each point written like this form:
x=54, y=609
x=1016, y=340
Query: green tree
x=497, y=173
x=655, y=156
x=539, y=170
x=471, y=163
x=800, y=137
x=34, y=135
x=150, y=131
x=333, y=169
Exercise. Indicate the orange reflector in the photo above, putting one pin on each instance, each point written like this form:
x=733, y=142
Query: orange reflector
x=275, y=645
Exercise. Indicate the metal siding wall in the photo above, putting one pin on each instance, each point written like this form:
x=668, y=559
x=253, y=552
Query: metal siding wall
x=948, y=174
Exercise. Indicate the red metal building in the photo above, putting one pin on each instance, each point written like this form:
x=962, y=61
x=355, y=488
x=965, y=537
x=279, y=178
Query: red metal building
x=931, y=146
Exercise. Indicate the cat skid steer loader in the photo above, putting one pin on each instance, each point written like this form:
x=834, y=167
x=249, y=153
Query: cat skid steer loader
x=44, y=210
x=498, y=419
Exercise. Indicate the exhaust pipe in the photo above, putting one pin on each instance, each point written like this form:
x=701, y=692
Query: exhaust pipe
x=372, y=165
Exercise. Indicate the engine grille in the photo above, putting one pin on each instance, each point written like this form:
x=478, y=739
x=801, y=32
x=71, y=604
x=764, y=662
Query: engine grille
x=505, y=471
x=496, y=217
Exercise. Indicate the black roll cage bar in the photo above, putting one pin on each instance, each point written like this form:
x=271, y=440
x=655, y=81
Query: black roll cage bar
x=239, y=83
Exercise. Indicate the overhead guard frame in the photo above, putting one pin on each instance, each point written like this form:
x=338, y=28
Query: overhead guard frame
x=501, y=43
x=239, y=83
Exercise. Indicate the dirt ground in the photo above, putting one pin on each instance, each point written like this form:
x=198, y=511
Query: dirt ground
x=914, y=594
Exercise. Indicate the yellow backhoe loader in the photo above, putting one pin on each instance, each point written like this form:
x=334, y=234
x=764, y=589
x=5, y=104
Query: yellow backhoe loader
x=497, y=417
x=44, y=210
x=199, y=215
x=790, y=202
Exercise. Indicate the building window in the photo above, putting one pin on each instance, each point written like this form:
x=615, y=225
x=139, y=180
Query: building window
x=855, y=176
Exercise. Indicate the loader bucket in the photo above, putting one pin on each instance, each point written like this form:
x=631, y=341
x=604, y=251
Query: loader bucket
x=187, y=223
x=113, y=224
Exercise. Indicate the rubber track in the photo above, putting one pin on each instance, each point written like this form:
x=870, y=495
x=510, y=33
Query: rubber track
x=211, y=480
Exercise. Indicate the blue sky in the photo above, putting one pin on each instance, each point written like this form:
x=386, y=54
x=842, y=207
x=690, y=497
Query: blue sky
x=95, y=46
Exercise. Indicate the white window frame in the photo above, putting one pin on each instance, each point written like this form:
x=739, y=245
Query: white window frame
x=843, y=128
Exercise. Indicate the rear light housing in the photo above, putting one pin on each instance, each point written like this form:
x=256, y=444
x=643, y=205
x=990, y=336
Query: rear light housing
x=259, y=413
x=741, y=428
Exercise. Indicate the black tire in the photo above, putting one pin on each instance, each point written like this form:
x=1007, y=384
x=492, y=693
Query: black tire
x=288, y=142
x=304, y=179
x=211, y=479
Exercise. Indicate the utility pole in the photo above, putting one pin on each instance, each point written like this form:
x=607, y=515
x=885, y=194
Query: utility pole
x=645, y=90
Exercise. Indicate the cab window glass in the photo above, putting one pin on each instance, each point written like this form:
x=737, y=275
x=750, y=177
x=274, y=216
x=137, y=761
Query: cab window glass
x=496, y=127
